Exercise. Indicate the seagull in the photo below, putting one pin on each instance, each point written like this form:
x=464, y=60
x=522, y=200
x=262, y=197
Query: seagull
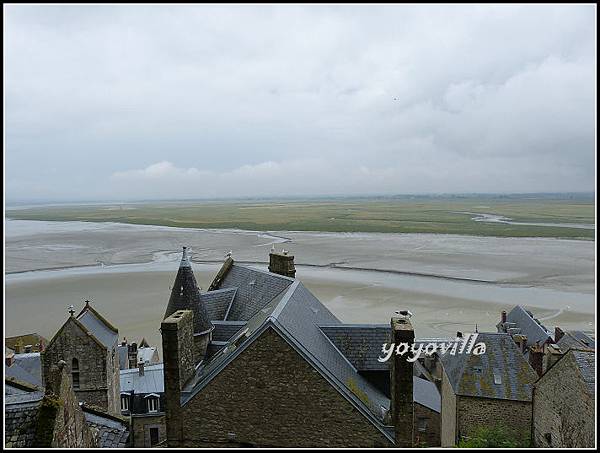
x=285, y=252
x=406, y=313
x=273, y=248
x=228, y=254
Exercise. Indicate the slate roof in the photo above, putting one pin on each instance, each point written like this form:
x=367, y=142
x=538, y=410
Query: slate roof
x=113, y=433
x=26, y=368
x=255, y=289
x=98, y=327
x=224, y=330
x=284, y=304
x=475, y=375
x=576, y=339
x=586, y=362
x=360, y=343
x=527, y=325
x=123, y=351
x=217, y=302
x=20, y=418
x=185, y=295
x=151, y=382
x=426, y=393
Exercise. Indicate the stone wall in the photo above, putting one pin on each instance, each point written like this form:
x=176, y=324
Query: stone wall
x=61, y=422
x=270, y=396
x=141, y=425
x=563, y=409
x=430, y=437
x=98, y=367
x=448, y=415
x=514, y=416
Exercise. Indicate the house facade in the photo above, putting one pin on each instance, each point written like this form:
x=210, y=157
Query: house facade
x=87, y=343
x=266, y=366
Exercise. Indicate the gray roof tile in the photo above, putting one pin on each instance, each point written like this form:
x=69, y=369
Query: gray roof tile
x=217, y=302
x=528, y=325
x=151, y=382
x=97, y=327
x=473, y=375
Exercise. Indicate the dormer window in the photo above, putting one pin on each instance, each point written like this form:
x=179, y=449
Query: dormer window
x=124, y=403
x=152, y=403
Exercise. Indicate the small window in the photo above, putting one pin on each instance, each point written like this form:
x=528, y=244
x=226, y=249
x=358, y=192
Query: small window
x=124, y=403
x=548, y=437
x=422, y=424
x=153, y=404
x=75, y=373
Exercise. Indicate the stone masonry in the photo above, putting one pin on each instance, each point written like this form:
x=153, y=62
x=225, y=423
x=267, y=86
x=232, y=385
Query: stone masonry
x=98, y=366
x=270, y=396
x=401, y=382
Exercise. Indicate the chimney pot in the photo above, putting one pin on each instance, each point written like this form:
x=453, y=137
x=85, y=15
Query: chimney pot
x=141, y=368
x=503, y=316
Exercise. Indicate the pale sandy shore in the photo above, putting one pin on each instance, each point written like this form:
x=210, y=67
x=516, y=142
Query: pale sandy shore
x=449, y=282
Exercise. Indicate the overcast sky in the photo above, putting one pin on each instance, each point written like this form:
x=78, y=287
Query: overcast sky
x=138, y=102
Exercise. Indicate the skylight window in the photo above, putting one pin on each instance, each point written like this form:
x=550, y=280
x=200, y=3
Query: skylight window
x=497, y=377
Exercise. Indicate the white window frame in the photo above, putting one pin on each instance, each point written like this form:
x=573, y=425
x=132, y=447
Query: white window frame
x=125, y=399
x=153, y=404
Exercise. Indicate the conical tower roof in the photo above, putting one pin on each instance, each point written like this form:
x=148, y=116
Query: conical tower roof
x=185, y=295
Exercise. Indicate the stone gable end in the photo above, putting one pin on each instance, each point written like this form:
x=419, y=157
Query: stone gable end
x=271, y=396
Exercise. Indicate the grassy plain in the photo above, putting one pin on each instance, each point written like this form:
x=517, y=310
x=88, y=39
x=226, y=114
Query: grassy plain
x=419, y=215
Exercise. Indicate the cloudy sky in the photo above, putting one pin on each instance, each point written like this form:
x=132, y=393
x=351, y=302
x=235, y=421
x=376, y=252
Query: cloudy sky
x=138, y=102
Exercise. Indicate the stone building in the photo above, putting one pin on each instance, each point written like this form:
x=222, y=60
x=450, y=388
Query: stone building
x=257, y=360
x=143, y=400
x=492, y=389
x=564, y=402
x=34, y=417
x=88, y=344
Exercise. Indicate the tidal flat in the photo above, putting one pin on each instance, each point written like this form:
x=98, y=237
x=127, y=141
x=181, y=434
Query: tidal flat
x=449, y=282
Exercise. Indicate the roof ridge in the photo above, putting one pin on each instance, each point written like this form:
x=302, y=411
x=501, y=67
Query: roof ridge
x=88, y=307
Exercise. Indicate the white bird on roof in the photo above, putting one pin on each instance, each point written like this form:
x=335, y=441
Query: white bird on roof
x=406, y=313
x=228, y=254
x=273, y=248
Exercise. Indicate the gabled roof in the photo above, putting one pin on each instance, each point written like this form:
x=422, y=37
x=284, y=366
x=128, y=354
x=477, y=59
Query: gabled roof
x=576, y=339
x=285, y=305
x=185, y=295
x=224, y=330
x=20, y=419
x=151, y=382
x=527, y=325
x=501, y=372
x=426, y=393
x=98, y=326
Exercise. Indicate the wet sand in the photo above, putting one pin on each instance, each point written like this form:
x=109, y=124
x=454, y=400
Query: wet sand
x=554, y=278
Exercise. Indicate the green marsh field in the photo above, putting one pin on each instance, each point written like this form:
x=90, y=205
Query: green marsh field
x=561, y=218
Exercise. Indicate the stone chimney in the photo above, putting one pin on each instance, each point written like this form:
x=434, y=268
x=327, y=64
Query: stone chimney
x=536, y=358
x=558, y=334
x=132, y=355
x=9, y=359
x=141, y=367
x=178, y=357
x=503, y=317
x=282, y=264
x=401, y=384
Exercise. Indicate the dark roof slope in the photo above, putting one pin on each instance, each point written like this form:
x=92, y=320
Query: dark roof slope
x=20, y=419
x=255, y=289
x=113, y=433
x=217, y=302
x=224, y=330
x=576, y=339
x=26, y=368
x=586, y=362
x=527, y=325
x=360, y=343
x=185, y=295
x=501, y=372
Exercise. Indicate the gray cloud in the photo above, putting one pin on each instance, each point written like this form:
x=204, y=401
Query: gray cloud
x=197, y=101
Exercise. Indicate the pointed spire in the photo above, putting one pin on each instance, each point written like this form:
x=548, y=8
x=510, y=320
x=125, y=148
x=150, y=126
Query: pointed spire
x=185, y=295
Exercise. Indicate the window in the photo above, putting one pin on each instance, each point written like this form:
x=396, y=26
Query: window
x=422, y=424
x=124, y=403
x=153, y=436
x=153, y=404
x=75, y=373
x=497, y=377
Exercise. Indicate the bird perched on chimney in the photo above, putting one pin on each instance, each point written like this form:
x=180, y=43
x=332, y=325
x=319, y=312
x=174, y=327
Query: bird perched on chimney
x=273, y=248
x=405, y=313
x=228, y=254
